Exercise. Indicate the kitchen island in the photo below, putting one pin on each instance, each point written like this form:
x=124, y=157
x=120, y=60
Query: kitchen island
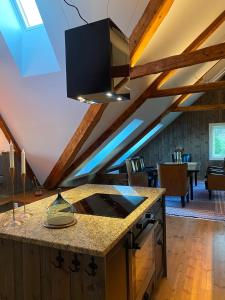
x=99, y=258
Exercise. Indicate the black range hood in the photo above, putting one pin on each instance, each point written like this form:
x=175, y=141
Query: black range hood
x=97, y=63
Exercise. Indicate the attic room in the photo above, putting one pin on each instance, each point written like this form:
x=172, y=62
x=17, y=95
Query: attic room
x=112, y=149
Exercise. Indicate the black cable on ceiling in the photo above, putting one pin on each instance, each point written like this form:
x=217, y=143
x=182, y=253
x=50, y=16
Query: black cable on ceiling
x=69, y=4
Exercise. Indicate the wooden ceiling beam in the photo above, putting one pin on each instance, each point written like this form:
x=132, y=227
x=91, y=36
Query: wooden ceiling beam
x=9, y=136
x=154, y=14
x=189, y=89
x=185, y=59
x=90, y=120
x=142, y=98
x=193, y=46
x=199, y=108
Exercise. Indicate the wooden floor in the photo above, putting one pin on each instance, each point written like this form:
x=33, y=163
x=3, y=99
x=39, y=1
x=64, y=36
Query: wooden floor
x=196, y=260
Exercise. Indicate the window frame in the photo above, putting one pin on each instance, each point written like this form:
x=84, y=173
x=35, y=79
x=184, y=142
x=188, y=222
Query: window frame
x=211, y=137
x=22, y=16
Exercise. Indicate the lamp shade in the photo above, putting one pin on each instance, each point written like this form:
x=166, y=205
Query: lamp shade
x=97, y=62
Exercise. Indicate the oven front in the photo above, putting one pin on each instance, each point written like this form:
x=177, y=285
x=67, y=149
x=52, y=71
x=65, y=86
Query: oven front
x=141, y=260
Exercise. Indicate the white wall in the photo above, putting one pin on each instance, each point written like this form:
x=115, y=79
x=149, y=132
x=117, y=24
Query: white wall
x=4, y=145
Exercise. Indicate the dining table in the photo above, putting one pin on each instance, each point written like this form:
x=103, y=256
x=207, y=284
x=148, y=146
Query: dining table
x=192, y=172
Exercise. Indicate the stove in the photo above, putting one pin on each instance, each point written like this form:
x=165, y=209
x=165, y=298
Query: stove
x=108, y=205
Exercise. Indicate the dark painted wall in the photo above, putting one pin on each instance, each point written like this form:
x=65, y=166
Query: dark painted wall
x=190, y=131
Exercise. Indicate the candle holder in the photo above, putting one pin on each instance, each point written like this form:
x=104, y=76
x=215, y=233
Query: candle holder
x=26, y=215
x=13, y=222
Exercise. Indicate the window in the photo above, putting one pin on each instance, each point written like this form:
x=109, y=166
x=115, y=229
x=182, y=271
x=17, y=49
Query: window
x=109, y=148
x=28, y=43
x=29, y=12
x=216, y=141
x=133, y=149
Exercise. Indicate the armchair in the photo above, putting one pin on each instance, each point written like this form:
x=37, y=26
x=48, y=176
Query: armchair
x=174, y=178
x=215, y=181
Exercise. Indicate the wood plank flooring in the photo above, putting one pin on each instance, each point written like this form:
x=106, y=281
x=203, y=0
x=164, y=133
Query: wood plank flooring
x=196, y=260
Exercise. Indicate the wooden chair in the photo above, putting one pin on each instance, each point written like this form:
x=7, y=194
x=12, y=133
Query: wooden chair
x=136, y=178
x=215, y=182
x=174, y=178
x=136, y=165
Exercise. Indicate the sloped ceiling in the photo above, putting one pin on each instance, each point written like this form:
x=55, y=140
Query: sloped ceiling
x=36, y=109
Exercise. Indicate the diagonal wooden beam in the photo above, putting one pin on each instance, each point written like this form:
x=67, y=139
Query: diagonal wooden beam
x=204, y=87
x=154, y=14
x=193, y=46
x=5, y=129
x=199, y=108
x=185, y=59
x=90, y=120
x=143, y=97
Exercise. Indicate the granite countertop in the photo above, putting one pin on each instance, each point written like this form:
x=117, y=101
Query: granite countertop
x=92, y=235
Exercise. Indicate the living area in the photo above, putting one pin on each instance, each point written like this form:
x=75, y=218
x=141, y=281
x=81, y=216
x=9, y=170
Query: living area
x=196, y=137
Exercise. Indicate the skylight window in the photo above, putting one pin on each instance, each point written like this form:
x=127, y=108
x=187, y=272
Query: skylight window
x=133, y=149
x=29, y=12
x=109, y=148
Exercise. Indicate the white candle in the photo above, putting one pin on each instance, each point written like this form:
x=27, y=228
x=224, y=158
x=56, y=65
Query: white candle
x=11, y=156
x=23, y=162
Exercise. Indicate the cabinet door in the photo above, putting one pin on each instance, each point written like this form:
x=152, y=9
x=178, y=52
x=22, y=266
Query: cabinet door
x=116, y=274
x=68, y=276
x=55, y=275
x=93, y=279
x=6, y=270
x=144, y=264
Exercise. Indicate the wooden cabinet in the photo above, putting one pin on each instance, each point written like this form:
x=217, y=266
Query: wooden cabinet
x=30, y=272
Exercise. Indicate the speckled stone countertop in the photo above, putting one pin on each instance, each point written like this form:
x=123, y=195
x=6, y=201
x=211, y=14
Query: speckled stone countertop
x=92, y=235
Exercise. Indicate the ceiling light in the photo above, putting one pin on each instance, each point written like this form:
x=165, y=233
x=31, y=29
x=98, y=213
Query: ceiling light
x=81, y=99
x=119, y=98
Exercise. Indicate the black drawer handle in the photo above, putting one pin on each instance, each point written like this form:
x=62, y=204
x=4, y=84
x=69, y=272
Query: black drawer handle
x=60, y=261
x=93, y=268
x=75, y=264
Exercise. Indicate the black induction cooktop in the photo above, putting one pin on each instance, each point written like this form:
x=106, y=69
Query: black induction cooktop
x=108, y=205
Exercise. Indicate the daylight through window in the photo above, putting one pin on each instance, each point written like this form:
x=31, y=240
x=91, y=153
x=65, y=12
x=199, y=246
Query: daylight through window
x=217, y=141
x=29, y=12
